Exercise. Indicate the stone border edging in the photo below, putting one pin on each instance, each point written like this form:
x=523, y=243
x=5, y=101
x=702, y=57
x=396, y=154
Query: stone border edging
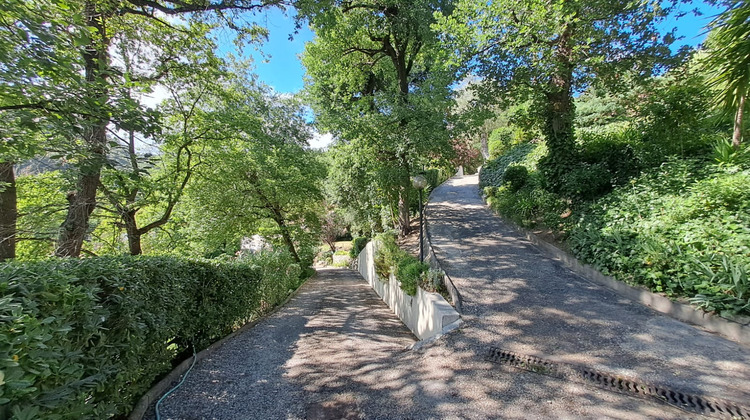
x=156, y=391
x=679, y=311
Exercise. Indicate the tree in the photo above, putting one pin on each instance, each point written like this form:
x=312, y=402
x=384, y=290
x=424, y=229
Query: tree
x=92, y=78
x=547, y=51
x=157, y=180
x=103, y=21
x=38, y=44
x=374, y=81
x=259, y=178
x=728, y=61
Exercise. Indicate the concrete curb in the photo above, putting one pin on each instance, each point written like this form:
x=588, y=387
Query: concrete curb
x=679, y=311
x=434, y=262
x=153, y=394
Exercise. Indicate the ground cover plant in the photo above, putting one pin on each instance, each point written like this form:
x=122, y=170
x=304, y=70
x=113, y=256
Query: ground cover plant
x=681, y=227
x=85, y=338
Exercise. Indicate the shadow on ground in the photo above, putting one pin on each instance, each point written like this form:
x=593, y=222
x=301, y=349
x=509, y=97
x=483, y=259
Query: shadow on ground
x=336, y=351
x=517, y=299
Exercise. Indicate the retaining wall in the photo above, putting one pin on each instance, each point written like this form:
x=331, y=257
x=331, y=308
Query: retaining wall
x=425, y=314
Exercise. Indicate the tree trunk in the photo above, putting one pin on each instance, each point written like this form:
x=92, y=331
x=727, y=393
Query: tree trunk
x=134, y=234
x=483, y=136
x=281, y=222
x=82, y=202
x=737, y=136
x=8, y=211
x=559, y=115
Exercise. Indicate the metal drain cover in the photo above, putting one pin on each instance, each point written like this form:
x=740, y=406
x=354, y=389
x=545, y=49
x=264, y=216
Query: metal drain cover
x=708, y=406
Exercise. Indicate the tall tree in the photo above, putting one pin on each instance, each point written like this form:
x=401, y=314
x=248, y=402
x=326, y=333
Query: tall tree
x=39, y=40
x=547, y=50
x=728, y=61
x=144, y=178
x=260, y=178
x=103, y=19
x=374, y=80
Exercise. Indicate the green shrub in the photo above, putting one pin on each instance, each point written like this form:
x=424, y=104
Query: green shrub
x=492, y=172
x=390, y=259
x=409, y=273
x=515, y=176
x=85, y=338
x=682, y=229
x=358, y=244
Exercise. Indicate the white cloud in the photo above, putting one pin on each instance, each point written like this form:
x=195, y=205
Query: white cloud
x=158, y=94
x=321, y=141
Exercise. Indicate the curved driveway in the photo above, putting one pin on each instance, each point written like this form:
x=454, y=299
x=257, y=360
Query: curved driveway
x=516, y=298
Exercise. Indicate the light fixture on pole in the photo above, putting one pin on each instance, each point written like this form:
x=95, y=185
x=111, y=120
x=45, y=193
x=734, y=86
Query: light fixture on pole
x=420, y=182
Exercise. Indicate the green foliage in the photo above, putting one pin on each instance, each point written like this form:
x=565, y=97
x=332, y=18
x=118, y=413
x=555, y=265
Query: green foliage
x=528, y=206
x=502, y=139
x=492, y=172
x=515, y=176
x=410, y=273
x=728, y=59
x=41, y=209
x=390, y=259
x=376, y=82
x=86, y=338
x=681, y=229
x=726, y=154
x=358, y=244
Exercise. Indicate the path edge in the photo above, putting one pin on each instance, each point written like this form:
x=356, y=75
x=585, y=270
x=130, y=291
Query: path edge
x=433, y=260
x=156, y=391
x=731, y=330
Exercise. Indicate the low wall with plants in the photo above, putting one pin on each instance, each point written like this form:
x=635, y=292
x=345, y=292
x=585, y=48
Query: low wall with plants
x=85, y=338
x=396, y=278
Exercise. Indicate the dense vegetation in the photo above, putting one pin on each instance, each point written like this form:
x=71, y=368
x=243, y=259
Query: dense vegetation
x=659, y=196
x=85, y=338
x=595, y=128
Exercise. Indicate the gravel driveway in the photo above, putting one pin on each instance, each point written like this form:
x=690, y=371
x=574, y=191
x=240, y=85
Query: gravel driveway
x=335, y=351
x=517, y=299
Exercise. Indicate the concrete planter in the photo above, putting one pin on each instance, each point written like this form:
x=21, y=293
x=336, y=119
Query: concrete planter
x=425, y=314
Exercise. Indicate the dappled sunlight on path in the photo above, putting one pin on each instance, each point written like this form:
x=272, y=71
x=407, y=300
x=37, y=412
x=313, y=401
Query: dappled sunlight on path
x=516, y=298
x=335, y=351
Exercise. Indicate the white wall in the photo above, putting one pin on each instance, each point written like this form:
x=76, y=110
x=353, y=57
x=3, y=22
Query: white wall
x=425, y=314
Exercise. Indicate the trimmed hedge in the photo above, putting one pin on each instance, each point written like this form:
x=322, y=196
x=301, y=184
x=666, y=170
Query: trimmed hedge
x=85, y=338
x=358, y=244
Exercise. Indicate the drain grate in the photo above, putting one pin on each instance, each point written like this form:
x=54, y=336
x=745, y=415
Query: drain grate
x=694, y=403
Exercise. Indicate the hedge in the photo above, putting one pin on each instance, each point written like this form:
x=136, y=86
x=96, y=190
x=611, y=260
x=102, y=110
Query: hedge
x=85, y=338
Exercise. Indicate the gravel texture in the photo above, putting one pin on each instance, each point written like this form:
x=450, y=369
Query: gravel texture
x=517, y=299
x=335, y=351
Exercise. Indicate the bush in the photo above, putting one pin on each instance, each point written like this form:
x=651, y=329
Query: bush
x=358, y=244
x=492, y=172
x=390, y=259
x=86, y=338
x=409, y=273
x=682, y=229
x=515, y=176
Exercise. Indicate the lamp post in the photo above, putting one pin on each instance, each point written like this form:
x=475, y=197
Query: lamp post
x=420, y=182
